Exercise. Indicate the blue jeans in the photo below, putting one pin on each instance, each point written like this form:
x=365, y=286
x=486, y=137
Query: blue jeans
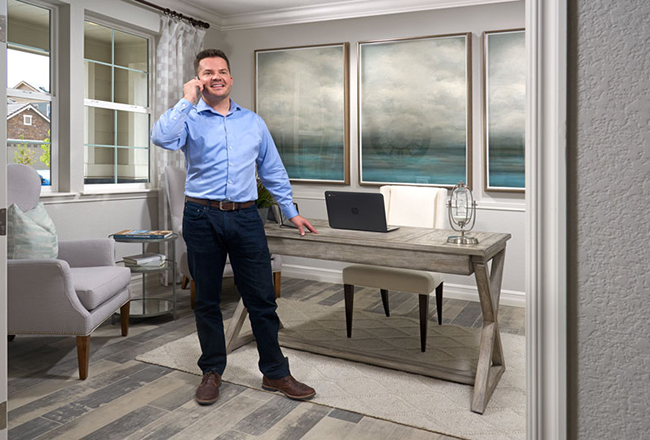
x=211, y=235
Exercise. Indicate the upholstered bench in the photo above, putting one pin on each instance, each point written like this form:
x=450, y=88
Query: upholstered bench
x=385, y=279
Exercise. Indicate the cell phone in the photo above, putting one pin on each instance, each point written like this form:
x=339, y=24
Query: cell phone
x=198, y=91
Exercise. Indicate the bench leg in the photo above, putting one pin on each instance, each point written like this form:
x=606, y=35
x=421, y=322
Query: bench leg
x=348, y=290
x=384, y=301
x=439, y=303
x=424, y=312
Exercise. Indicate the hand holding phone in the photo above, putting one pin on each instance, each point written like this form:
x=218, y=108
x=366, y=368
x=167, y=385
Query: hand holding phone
x=192, y=90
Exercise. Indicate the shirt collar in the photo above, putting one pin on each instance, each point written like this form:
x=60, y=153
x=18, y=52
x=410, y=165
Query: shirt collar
x=203, y=106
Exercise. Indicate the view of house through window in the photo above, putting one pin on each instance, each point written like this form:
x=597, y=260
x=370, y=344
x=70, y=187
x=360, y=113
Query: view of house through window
x=117, y=106
x=29, y=96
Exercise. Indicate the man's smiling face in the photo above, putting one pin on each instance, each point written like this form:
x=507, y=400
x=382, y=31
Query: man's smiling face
x=216, y=79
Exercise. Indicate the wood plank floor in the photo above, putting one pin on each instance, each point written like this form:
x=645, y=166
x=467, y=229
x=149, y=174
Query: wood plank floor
x=126, y=399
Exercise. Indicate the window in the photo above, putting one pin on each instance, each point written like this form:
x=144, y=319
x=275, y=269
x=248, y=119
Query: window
x=117, y=108
x=29, y=96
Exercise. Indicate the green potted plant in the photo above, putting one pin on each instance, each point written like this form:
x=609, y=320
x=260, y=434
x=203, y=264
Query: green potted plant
x=264, y=200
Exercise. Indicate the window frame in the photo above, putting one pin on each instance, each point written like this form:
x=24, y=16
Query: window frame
x=51, y=98
x=94, y=103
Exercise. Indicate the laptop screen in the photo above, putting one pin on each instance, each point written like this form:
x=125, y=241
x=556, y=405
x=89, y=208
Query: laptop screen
x=359, y=211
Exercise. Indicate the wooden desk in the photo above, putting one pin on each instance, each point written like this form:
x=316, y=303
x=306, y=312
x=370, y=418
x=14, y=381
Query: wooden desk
x=411, y=248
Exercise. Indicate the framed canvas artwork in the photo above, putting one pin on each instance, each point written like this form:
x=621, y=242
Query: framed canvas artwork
x=302, y=94
x=415, y=111
x=504, y=112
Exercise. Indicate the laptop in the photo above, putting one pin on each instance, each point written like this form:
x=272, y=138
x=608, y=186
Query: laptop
x=357, y=210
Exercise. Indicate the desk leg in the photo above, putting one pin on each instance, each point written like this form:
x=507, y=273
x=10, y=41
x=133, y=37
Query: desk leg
x=491, y=364
x=233, y=338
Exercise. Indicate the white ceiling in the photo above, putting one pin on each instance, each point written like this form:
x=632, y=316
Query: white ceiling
x=241, y=14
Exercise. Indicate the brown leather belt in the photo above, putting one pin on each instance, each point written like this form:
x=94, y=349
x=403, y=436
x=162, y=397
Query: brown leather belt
x=222, y=205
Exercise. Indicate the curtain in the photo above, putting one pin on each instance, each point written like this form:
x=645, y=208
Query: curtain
x=177, y=48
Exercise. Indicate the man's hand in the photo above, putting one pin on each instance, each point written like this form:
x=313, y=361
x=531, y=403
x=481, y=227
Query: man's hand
x=191, y=90
x=301, y=221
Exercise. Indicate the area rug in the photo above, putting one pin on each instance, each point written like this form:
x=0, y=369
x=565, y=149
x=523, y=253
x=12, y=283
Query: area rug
x=410, y=399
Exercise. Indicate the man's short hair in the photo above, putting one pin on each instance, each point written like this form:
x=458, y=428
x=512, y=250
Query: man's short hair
x=209, y=53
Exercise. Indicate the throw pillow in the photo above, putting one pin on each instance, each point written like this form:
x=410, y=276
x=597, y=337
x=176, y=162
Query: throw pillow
x=31, y=235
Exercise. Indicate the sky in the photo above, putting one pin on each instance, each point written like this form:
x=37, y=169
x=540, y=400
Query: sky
x=28, y=67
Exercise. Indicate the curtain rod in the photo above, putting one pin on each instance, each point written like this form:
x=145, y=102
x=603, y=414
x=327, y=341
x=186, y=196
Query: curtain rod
x=192, y=21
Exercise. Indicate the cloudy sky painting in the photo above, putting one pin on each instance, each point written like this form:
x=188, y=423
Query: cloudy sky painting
x=300, y=93
x=506, y=109
x=413, y=112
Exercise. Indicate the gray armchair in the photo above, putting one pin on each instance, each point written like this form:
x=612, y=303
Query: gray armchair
x=175, y=188
x=70, y=295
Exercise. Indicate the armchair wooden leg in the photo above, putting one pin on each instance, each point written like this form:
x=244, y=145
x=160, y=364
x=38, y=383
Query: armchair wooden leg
x=277, y=277
x=184, y=282
x=424, y=314
x=348, y=290
x=384, y=301
x=83, y=355
x=439, y=303
x=192, y=293
x=124, y=318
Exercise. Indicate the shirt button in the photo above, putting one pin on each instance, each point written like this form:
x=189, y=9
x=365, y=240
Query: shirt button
x=230, y=181
x=231, y=148
x=229, y=198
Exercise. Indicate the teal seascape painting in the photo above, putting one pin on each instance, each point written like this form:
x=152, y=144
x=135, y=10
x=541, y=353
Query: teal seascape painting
x=415, y=107
x=505, y=112
x=302, y=95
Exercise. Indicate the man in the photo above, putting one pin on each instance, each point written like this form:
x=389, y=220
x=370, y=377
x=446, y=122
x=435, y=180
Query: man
x=224, y=144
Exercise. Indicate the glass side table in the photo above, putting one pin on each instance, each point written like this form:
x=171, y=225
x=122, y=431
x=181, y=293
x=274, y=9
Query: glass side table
x=147, y=307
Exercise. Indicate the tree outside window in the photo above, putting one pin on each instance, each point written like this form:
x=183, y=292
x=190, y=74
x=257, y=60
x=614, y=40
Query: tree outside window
x=28, y=86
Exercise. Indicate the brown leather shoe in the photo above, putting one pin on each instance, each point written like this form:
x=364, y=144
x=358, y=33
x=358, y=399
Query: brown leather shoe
x=290, y=387
x=208, y=392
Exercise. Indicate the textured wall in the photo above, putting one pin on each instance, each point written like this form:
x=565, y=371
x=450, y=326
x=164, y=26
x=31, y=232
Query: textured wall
x=609, y=197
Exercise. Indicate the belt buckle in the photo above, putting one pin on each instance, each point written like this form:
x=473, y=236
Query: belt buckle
x=221, y=206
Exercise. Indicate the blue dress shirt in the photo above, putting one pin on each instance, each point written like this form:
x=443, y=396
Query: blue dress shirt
x=222, y=153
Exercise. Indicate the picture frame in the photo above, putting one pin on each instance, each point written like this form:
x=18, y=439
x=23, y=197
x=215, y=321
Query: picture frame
x=504, y=110
x=302, y=93
x=415, y=110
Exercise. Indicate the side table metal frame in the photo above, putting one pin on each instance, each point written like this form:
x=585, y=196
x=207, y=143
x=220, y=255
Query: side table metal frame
x=161, y=304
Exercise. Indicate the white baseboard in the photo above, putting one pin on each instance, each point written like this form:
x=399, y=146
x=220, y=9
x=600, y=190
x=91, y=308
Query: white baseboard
x=512, y=298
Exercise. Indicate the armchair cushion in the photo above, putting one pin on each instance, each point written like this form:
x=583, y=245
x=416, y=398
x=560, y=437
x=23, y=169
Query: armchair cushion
x=95, y=285
x=31, y=235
